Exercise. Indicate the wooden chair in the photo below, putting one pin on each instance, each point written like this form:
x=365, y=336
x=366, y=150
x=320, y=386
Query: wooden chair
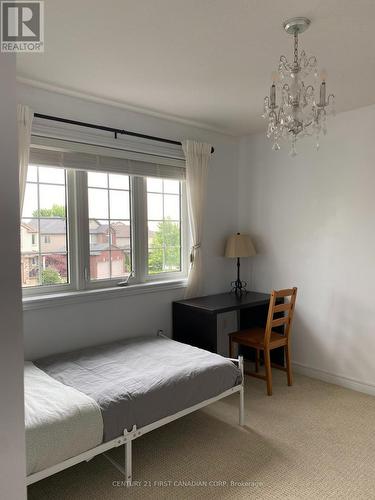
x=267, y=339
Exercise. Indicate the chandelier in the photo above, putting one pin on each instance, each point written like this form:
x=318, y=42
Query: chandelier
x=301, y=112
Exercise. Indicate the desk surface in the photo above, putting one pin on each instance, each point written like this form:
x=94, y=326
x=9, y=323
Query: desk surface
x=224, y=302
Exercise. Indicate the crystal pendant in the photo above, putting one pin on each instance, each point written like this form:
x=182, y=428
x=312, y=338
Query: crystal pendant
x=293, y=151
x=333, y=107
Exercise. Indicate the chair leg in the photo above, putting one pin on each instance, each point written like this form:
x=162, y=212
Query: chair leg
x=257, y=361
x=267, y=363
x=288, y=365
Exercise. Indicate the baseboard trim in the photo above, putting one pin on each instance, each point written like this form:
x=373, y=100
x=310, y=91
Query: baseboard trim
x=347, y=382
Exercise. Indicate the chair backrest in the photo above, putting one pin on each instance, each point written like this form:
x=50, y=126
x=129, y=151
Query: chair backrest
x=284, y=311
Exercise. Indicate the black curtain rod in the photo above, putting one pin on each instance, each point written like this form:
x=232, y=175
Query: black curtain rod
x=114, y=131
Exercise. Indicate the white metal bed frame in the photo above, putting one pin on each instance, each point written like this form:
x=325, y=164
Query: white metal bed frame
x=129, y=436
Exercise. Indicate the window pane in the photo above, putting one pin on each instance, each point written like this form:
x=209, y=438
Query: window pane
x=154, y=185
x=30, y=203
x=110, y=229
x=164, y=259
x=48, y=269
x=171, y=233
x=120, y=263
x=99, y=232
x=155, y=206
x=98, y=203
x=53, y=235
x=52, y=175
x=117, y=181
x=99, y=249
x=171, y=207
x=100, y=267
x=29, y=236
x=51, y=201
x=30, y=264
x=121, y=235
x=29, y=252
x=119, y=204
x=44, y=232
x=155, y=260
x=172, y=259
x=172, y=187
x=32, y=175
x=164, y=227
x=152, y=234
x=54, y=269
x=97, y=179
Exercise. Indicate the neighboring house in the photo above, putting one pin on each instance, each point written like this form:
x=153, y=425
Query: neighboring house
x=117, y=233
x=102, y=236
x=122, y=234
x=29, y=255
x=29, y=238
x=52, y=234
x=100, y=258
x=105, y=241
x=52, y=248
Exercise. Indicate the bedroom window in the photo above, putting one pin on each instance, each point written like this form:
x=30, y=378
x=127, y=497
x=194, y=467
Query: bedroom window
x=45, y=229
x=109, y=225
x=163, y=226
x=93, y=221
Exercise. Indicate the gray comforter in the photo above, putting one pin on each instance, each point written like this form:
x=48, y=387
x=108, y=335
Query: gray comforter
x=139, y=381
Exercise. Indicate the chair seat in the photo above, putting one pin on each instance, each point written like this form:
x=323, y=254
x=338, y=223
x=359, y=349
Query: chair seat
x=254, y=337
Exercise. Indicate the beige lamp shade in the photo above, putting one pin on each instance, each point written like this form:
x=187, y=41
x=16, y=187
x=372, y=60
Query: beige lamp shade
x=239, y=245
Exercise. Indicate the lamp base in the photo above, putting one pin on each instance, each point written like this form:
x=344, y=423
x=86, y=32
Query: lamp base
x=238, y=287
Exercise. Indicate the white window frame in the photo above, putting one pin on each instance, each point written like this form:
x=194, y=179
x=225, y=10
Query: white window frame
x=78, y=241
x=71, y=244
x=184, y=228
x=82, y=196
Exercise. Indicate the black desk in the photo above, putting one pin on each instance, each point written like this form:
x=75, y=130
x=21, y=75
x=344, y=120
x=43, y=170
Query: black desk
x=195, y=321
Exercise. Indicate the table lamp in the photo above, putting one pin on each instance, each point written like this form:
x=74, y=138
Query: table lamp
x=237, y=246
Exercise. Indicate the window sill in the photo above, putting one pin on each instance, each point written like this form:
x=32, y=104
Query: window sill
x=76, y=297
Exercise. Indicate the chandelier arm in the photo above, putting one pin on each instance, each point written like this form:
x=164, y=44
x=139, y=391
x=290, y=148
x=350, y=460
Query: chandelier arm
x=309, y=91
x=312, y=61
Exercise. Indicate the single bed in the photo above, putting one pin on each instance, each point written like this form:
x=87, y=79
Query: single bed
x=134, y=386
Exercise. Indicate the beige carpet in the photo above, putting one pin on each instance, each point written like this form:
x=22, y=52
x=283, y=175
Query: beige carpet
x=310, y=441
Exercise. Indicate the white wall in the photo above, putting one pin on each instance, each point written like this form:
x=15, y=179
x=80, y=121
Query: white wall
x=63, y=328
x=12, y=435
x=312, y=218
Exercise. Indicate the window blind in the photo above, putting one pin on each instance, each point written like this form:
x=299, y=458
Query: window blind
x=73, y=155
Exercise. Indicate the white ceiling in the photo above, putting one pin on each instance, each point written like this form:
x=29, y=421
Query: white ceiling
x=207, y=61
